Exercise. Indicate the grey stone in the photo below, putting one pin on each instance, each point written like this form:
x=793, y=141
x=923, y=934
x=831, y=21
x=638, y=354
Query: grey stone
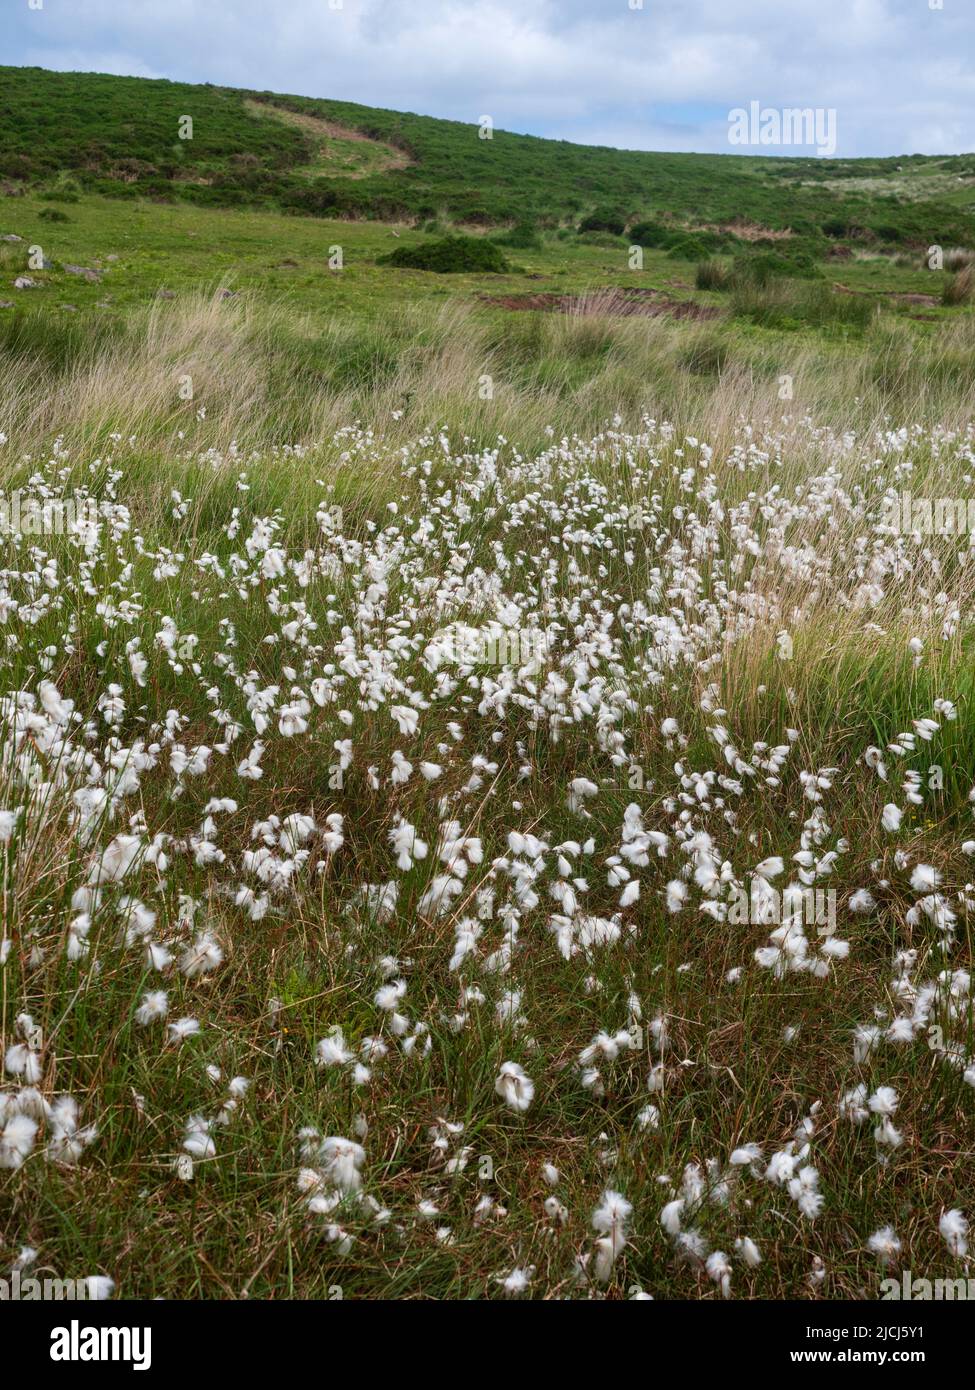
x=92, y=276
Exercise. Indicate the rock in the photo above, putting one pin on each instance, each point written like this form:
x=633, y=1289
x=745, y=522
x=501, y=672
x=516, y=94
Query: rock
x=112, y=257
x=11, y=236
x=6, y=304
x=24, y=282
x=92, y=276
x=165, y=294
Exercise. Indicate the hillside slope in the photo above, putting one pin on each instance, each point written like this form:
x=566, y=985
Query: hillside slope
x=120, y=136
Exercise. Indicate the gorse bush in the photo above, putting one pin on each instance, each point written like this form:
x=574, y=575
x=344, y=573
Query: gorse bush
x=687, y=248
x=450, y=255
x=679, y=241
x=652, y=235
x=523, y=236
x=603, y=220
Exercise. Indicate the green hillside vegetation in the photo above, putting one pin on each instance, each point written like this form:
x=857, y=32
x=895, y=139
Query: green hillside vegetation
x=314, y=227
x=120, y=136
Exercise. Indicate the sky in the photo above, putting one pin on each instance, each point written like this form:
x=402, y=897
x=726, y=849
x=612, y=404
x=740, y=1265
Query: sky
x=638, y=74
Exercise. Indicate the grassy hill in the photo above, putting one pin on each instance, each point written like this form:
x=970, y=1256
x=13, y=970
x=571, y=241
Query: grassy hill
x=319, y=225
x=120, y=136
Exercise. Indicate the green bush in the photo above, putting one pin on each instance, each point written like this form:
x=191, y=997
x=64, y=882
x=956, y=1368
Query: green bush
x=521, y=237
x=659, y=236
x=652, y=235
x=688, y=248
x=451, y=255
x=761, y=268
x=886, y=232
x=603, y=220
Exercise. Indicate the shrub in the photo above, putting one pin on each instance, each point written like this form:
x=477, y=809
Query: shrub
x=651, y=235
x=765, y=266
x=688, y=248
x=521, y=237
x=603, y=220
x=886, y=232
x=451, y=255
x=658, y=236
x=608, y=239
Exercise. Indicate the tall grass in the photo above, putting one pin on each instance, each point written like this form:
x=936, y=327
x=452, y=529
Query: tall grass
x=782, y=304
x=207, y=371
x=960, y=287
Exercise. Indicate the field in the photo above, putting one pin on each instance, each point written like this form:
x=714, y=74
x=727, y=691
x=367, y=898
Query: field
x=488, y=760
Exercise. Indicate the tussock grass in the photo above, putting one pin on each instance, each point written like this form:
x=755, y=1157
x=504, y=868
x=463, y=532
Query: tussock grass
x=263, y=374
x=960, y=288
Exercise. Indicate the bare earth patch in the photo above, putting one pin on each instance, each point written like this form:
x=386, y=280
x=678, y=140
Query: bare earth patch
x=336, y=151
